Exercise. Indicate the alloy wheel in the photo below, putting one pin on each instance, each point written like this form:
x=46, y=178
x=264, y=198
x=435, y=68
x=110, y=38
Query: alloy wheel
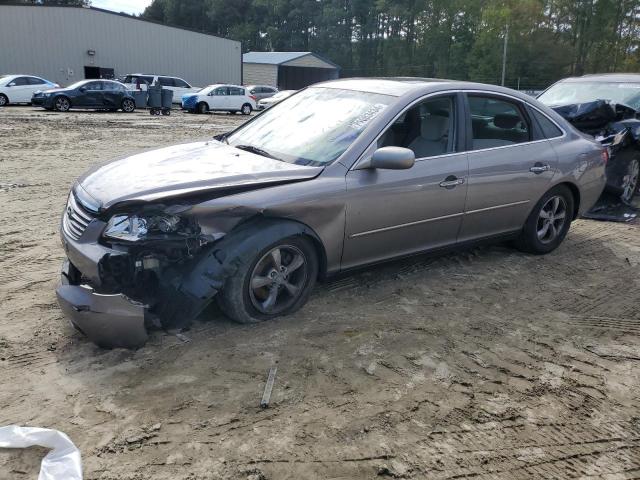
x=278, y=279
x=630, y=181
x=62, y=104
x=246, y=109
x=551, y=219
x=128, y=106
x=3, y=100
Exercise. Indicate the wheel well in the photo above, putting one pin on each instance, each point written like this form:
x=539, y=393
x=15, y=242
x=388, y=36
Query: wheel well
x=576, y=197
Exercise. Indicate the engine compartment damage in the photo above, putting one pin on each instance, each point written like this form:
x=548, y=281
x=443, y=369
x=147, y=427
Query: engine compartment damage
x=617, y=127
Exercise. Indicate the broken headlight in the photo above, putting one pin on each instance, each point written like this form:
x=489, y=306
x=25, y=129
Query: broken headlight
x=133, y=227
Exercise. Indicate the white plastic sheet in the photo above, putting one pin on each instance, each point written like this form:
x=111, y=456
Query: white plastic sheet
x=63, y=462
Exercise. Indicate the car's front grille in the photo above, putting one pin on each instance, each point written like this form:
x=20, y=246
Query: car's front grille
x=76, y=218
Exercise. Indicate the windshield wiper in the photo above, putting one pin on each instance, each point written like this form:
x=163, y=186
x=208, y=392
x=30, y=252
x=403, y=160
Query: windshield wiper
x=256, y=150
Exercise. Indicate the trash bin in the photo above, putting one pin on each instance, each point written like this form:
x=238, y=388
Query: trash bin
x=140, y=98
x=167, y=99
x=154, y=99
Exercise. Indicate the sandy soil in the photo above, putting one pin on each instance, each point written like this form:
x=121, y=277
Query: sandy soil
x=487, y=363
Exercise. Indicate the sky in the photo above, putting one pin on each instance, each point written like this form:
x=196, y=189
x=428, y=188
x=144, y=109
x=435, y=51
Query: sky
x=133, y=7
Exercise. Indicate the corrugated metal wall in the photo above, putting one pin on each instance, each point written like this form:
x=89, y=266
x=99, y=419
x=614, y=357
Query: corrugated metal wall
x=260, y=74
x=53, y=42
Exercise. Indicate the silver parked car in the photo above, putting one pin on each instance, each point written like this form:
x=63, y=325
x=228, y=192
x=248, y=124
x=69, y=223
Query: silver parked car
x=342, y=174
x=261, y=91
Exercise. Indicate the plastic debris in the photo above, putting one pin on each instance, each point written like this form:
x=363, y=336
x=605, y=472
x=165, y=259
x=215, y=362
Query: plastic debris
x=63, y=462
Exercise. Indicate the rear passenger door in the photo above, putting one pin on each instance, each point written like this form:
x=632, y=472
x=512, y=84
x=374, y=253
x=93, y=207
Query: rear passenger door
x=510, y=168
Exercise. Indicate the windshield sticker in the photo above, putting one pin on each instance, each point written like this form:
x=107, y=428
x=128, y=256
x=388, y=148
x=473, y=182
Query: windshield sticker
x=365, y=117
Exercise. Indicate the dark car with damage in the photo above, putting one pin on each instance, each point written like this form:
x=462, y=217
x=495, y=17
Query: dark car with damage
x=87, y=94
x=339, y=175
x=605, y=106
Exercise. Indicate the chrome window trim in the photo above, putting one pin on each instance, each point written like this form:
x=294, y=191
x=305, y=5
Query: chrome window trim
x=450, y=92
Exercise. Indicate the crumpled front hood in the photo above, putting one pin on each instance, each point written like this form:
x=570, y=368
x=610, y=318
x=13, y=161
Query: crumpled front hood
x=596, y=115
x=186, y=169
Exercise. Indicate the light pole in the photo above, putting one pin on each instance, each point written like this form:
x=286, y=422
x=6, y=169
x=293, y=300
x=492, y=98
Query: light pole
x=504, y=54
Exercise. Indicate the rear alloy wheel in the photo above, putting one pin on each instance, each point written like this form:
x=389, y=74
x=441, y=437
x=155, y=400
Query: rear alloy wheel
x=128, y=105
x=246, y=109
x=3, y=100
x=62, y=104
x=202, y=108
x=548, y=222
x=630, y=182
x=277, y=281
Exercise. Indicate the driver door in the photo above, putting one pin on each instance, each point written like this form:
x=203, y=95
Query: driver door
x=399, y=212
x=92, y=95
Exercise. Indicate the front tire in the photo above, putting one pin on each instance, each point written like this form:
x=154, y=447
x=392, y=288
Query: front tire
x=276, y=281
x=62, y=104
x=4, y=100
x=128, y=105
x=548, y=222
x=246, y=109
x=202, y=108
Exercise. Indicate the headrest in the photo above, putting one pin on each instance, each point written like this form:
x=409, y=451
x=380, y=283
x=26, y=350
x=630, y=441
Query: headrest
x=434, y=127
x=506, y=120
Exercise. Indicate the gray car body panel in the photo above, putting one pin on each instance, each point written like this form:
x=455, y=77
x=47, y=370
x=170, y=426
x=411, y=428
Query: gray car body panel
x=356, y=216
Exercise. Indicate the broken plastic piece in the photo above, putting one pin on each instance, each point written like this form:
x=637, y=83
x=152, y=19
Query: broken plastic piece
x=266, y=396
x=63, y=462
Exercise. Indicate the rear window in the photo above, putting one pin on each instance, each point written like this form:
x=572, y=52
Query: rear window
x=180, y=83
x=236, y=91
x=166, y=81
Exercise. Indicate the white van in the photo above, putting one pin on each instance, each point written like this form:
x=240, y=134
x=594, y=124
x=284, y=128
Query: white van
x=140, y=81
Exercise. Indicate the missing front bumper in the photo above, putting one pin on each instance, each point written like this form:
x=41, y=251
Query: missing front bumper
x=110, y=321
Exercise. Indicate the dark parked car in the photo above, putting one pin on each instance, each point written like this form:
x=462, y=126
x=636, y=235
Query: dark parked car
x=605, y=106
x=92, y=94
x=341, y=174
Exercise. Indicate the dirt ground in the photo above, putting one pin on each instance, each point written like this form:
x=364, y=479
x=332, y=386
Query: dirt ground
x=486, y=363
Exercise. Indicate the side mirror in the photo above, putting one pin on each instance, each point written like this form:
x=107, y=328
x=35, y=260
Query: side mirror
x=390, y=158
x=12, y=84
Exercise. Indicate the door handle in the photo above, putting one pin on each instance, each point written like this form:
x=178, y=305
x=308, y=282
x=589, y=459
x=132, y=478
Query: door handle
x=539, y=168
x=451, y=182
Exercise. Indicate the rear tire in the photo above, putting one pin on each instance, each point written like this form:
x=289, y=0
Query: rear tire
x=548, y=222
x=630, y=182
x=128, y=105
x=202, y=108
x=246, y=295
x=246, y=109
x=61, y=104
x=4, y=100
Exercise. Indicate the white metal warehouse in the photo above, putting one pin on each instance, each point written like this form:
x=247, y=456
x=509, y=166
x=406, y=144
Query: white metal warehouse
x=287, y=70
x=67, y=44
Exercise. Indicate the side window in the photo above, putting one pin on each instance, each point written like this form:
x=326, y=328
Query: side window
x=549, y=129
x=36, y=81
x=93, y=86
x=20, y=81
x=496, y=122
x=177, y=82
x=236, y=91
x=113, y=87
x=166, y=81
x=427, y=128
x=221, y=91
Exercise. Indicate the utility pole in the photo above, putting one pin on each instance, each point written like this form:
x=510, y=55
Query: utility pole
x=504, y=53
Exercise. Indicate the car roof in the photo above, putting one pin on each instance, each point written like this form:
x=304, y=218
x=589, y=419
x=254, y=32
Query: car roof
x=605, y=77
x=398, y=86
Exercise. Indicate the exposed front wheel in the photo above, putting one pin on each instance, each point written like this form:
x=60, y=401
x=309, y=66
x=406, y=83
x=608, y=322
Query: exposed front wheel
x=4, y=100
x=202, y=107
x=548, y=223
x=277, y=281
x=128, y=105
x=62, y=104
x=630, y=181
x=246, y=109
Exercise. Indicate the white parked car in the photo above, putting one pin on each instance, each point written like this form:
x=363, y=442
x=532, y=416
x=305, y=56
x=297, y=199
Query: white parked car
x=278, y=97
x=140, y=81
x=230, y=98
x=20, y=88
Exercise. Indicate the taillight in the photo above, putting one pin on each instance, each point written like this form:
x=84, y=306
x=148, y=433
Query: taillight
x=253, y=97
x=605, y=155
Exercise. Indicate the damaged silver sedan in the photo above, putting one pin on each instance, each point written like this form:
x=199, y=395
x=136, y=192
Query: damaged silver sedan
x=339, y=175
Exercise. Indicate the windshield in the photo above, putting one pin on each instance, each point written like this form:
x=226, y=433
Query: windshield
x=206, y=90
x=566, y=93
x=313, y=127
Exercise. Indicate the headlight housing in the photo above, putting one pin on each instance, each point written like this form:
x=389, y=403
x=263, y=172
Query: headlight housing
x=133, y=228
